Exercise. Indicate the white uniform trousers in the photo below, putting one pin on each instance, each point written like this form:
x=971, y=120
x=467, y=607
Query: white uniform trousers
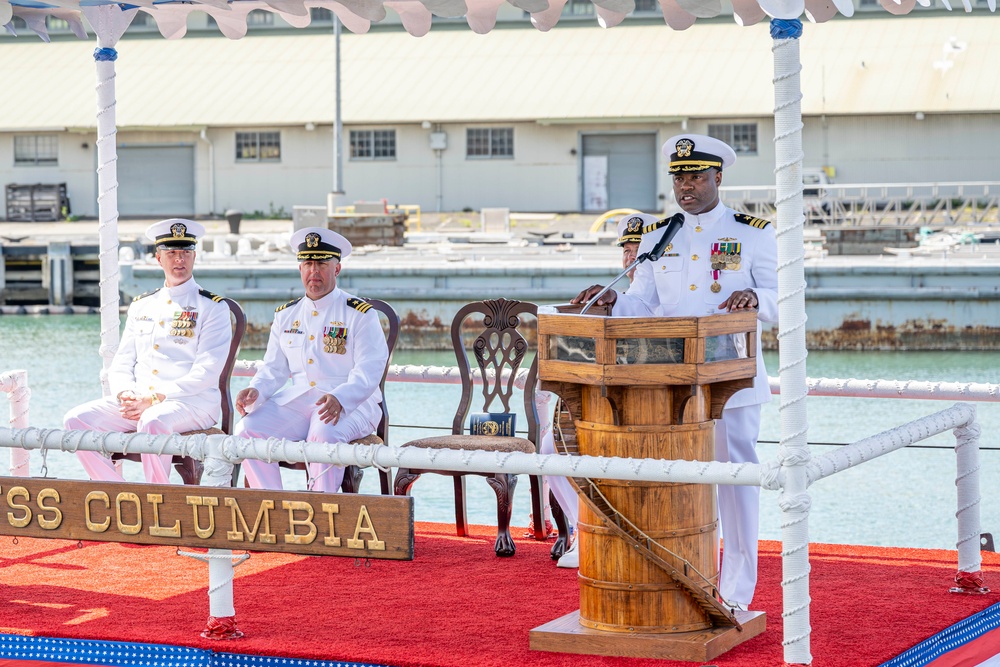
x=563, y=491
x=160, y=419
x=739, y=506
x=299, y=420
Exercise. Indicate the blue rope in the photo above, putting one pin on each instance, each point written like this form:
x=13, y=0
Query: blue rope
x=786, y=28
x=105, y=55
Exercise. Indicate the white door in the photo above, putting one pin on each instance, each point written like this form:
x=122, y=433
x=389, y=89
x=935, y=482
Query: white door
x=156, y=181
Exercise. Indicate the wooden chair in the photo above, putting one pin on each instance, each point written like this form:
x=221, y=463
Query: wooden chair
x=188, y=468
x=354, y=474
x=500, y=350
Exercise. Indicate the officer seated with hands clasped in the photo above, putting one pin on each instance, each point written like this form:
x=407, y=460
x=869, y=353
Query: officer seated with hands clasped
x=164, y=377
x=719, y=261
x=332, y=347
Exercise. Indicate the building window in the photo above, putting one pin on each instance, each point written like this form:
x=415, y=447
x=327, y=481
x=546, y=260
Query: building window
x=373, y=144
x=56, y=24
x=320, y=14
x=259, y=17
x=741, y=136
x=258, y=146
x=647, y=7
x=489, y=142
x=36, y=149
x=578, y=8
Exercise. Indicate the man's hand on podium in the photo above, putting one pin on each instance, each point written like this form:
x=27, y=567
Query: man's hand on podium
x=739, y=301
x=588, y=294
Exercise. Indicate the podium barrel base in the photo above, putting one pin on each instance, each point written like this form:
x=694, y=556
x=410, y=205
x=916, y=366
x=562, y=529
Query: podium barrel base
x=566, y=635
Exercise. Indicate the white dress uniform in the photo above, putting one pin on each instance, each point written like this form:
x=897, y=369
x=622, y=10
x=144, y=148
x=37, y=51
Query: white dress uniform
x=680, y=284
x=175, y=343
x=334, y=345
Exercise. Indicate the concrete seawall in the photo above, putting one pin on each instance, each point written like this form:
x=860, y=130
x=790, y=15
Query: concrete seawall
x=887, y=303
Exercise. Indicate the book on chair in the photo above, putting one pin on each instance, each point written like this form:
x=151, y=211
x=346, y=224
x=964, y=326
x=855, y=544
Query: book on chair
x=492, y=423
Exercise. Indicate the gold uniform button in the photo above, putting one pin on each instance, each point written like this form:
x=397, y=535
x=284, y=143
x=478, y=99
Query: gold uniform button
x=312, y=384
x=694, y=287
x=315, y=313
x=697, y=228
x=156, y=347
x=161, y=323
x=156, y=372
x=694, y=257
x=169, y=301
x=311, y=337
x=310, y=361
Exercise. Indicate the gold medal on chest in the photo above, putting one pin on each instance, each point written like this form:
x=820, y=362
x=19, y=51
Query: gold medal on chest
x=716, y=287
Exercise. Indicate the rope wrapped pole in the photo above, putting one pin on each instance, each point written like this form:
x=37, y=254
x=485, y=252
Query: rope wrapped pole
x=221, y=622
x=793, y=451
x=109, y=22
x=15, y=385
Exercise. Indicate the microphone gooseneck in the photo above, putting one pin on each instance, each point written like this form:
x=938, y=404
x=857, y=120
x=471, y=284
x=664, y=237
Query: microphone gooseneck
x=674, y=224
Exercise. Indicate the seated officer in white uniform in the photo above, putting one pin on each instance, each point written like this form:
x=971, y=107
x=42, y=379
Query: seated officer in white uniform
x=333, y=349
x=719, y=261
x=164, y=377
x=630, y=235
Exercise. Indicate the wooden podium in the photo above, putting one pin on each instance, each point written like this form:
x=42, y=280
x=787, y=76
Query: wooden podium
x=646, y=388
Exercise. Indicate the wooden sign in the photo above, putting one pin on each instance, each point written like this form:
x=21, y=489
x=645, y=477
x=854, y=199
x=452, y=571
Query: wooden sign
x=318, y=524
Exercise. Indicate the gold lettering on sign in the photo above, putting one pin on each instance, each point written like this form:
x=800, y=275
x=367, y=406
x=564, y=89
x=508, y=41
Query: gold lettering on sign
x=293, y=506
x=332, y=540
x=53, y=523
x=103, y=497
x=263, y=515
x=156, y=529
x=365, y=525
x=211, y=503
x=18, y=521
x=128, y=528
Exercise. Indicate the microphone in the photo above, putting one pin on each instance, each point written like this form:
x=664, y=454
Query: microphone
x=674, y=224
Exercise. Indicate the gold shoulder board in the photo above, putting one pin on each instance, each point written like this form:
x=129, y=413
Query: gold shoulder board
x=359, y=304
x=143, y=296
x=653, y=226
x=758, y=223
x=208, y=295
x=286, y=305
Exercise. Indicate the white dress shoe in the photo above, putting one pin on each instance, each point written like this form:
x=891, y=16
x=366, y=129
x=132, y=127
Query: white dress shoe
x=571, y=558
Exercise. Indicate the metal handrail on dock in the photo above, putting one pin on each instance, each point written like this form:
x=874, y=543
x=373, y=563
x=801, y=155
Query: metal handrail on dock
x=881, y=204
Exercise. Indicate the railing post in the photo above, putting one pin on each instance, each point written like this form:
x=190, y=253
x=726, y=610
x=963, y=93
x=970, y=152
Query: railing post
x=15, y=385
x=969, y=578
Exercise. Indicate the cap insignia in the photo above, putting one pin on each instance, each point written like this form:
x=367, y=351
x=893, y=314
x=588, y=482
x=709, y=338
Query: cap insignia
x=312, y=240
x=633, y=225
x=178, y=230
x=684, y=148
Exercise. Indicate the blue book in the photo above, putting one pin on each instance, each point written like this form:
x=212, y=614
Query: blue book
x=492, y=423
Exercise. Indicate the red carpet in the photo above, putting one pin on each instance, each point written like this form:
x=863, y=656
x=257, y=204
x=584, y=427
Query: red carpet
x=454, y=605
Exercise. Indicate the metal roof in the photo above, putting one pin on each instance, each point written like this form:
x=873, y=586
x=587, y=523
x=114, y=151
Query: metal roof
x=574, y=73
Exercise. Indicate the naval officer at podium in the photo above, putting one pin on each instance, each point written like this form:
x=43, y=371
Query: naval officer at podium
x=719, y=261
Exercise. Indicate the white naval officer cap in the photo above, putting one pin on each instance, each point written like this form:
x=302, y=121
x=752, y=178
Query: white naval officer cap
x=630, y=227
x=176, y=233
x=319, y=245
x=697, y=152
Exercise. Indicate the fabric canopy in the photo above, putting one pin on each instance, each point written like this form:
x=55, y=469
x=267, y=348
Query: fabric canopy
x=416, y=15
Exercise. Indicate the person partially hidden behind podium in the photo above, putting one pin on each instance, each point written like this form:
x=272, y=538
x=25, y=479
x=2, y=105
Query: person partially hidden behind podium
x=164, y=377
x=333, y=348
x=719, y=261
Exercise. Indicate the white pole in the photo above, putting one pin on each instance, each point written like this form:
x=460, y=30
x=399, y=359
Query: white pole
x=221, y=608
x=793, y=452
x=109, y=22
x=15, y=385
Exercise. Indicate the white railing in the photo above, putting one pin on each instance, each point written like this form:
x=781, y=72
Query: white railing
x=221, y=452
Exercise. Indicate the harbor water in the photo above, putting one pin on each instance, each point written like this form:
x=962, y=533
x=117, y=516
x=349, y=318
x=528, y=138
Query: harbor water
x=906, y=498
